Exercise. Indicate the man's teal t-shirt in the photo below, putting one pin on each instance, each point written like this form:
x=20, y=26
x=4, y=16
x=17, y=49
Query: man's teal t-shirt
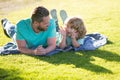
x=25, y=32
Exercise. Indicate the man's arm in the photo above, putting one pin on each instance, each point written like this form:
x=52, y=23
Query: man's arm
x=39, y=50
x=22, y=47
x=51, y=44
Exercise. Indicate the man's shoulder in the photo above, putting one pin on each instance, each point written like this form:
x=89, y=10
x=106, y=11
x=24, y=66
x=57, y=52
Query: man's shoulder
x=23, y=21
x=52, y=21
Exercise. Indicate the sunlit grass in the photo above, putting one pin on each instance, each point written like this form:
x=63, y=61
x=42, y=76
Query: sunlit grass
x=101, y=64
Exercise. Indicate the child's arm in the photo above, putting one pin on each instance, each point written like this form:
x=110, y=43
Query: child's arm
x=75, y=43
x=73, y=38
x=63, y=41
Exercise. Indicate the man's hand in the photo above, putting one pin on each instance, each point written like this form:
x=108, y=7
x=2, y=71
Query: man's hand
x=39, y=51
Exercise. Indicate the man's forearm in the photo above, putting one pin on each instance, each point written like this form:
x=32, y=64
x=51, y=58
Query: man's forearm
x=26, y=50
x=50, y=48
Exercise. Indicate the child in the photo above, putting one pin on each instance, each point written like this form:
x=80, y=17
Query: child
x=73, y=31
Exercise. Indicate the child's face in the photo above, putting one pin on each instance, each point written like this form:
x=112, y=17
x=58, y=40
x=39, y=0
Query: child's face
x=70, y=31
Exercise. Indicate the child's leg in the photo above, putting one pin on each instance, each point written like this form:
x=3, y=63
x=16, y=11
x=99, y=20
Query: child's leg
x=53, y=13
x=9, y=28
x=63, y=15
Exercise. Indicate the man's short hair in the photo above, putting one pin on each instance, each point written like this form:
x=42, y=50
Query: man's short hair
x=38, y=14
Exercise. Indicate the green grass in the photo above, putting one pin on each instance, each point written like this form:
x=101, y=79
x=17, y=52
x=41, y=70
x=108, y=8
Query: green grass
x=101, y=64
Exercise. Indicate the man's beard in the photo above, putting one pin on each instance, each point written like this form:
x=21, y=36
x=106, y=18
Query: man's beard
x=40, y=29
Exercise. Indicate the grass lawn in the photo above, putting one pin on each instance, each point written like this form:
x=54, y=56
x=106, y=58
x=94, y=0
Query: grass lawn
x=102, y=64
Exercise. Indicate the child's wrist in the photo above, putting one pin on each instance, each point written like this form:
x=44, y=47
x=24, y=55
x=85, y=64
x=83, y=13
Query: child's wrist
x=64, y=36
x=73, y=38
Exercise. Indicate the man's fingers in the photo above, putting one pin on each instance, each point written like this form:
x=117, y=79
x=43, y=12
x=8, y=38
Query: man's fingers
x=39, y=47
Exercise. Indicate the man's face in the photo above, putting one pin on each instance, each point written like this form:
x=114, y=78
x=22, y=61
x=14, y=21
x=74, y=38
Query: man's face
x=42, y=26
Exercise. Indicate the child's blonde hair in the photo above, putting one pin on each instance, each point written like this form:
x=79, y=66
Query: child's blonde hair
x=77, y=24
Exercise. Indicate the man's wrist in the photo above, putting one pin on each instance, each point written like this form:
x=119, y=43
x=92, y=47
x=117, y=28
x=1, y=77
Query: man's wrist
x=33, y=52
x=46, y=51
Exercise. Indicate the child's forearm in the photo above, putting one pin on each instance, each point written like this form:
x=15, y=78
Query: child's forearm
x=63, y=43
x=75, y=43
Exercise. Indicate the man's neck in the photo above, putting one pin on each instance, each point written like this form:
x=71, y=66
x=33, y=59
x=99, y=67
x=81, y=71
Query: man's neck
x=35, y=29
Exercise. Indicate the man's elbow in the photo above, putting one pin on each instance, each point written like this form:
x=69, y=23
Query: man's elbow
x=21, y=49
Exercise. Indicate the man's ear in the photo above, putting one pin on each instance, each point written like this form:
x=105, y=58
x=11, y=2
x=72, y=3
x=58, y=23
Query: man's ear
x=36, y=23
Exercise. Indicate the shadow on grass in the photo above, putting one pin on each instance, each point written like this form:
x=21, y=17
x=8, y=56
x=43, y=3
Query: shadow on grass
x=9, y=74
x=109, y=42
x=82, y=59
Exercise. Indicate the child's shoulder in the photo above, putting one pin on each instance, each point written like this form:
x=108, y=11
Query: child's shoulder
x=81, y=40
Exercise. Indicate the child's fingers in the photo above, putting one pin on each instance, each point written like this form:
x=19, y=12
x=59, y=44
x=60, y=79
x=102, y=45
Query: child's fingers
x=73, y=30
x=61, y=27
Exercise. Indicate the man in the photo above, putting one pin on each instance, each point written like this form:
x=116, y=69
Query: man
x=36, y=35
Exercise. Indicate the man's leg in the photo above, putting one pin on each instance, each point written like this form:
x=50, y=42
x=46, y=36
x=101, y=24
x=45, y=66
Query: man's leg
x=9, y=28
x=3, y=22
x=53, y=13
x=63, y=15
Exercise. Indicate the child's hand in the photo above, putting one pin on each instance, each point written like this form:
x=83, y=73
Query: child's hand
x=62, y=31
x=73, y=34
